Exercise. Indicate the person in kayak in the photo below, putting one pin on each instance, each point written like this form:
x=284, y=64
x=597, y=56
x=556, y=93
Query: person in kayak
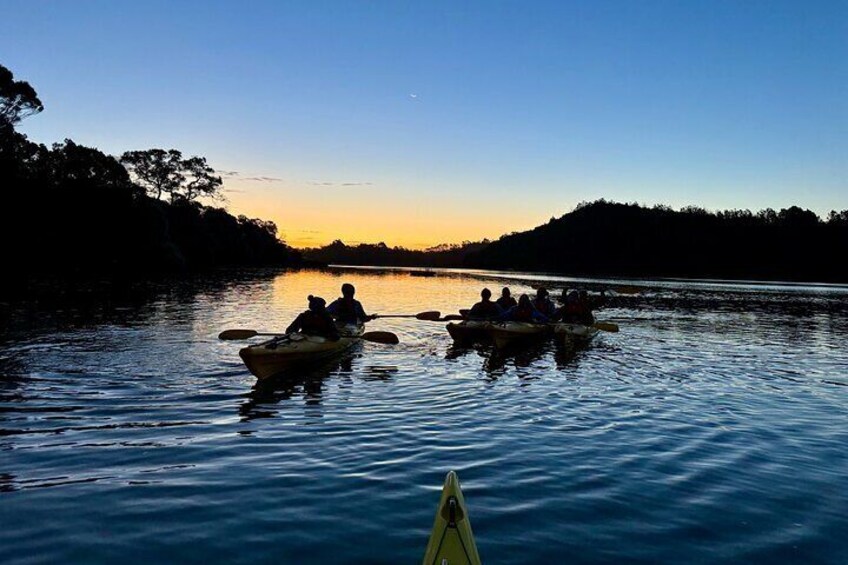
x=485, y=309
x=506, y=301
x=576, y=309
x=347, y=310
x=316, y=321
x=524, y=311
x=543, y=304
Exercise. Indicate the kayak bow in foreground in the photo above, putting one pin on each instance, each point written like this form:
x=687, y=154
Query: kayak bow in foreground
x=451, y=541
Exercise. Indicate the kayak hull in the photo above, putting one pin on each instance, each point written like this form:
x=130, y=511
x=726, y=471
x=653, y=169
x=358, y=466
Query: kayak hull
x=272, y=357
x=575, y=334
x=505, y=334
x=451, y=540
x=468, y=331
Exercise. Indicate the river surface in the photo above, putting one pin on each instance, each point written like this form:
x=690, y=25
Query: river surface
x=712, y=428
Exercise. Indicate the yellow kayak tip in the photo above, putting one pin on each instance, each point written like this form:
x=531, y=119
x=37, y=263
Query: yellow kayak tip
x=451, y=541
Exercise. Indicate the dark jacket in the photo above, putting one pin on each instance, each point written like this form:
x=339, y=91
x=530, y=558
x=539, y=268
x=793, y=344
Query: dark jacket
x=314, y=323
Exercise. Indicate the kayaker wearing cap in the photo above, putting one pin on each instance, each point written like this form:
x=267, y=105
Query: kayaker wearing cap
x=506, y=301
x=543, y=304
x=524, y=311
x=485, y=309
x=315, y=321
x=576, y=309
x=348, y=310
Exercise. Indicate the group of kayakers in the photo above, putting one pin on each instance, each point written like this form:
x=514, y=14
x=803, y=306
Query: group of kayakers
x=323, y=320
x=576, y=307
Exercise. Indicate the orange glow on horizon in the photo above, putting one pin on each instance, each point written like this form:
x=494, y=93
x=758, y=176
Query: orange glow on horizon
x=313, y=219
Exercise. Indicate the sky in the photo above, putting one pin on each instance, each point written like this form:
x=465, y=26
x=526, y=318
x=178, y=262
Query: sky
x=419, y=123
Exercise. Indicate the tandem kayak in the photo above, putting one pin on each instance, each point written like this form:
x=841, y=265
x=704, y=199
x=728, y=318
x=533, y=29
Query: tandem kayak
x=271, y=357
x=575, y=334
x=507, y=333
x=468, y=331
x=451, y=541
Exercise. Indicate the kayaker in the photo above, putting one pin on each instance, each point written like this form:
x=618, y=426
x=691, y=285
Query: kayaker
x=485, y=309
x=543, y=304
x=575, y=309
x=524, y=311
x=348, y=310
x=506, y=301
x=315, y=321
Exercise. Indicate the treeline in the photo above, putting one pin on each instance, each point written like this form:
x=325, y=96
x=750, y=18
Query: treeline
x=613, y=239
x=446, y=255
x=73, y=210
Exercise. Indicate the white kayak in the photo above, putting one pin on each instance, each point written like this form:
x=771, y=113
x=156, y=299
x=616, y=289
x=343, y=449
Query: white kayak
x=271, y=357
x=574, y=334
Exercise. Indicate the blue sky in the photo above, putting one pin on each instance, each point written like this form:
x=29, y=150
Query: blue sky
x=418, y=123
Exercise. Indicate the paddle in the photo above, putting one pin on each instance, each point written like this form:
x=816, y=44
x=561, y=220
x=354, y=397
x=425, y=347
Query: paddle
x=387, y=338
x=451, y=318
x=431, y=316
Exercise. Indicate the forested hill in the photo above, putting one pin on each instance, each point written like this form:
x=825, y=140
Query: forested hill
x=72, y=210
x=381, y=254
x=607, y=238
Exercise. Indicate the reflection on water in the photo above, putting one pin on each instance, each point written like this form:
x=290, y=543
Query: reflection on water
x=711, y=428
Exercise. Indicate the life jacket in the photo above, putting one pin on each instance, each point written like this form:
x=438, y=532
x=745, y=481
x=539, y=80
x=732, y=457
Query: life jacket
x=544, y=306
x=313, y=323
x=577, y=313
x=484, y=310
x=506, y=302
x=521, y=314
x=347, y=311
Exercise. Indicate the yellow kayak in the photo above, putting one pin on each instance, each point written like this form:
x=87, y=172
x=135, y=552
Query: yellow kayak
x=451, y=542
x=274, y=356
x=505, y=334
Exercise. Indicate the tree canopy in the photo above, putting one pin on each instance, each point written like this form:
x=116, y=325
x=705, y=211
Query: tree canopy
x=18, y=99
x=165, y=172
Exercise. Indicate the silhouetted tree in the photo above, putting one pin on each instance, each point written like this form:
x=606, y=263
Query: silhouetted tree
x=18, y=99
x=157, y=170
x=77, y=212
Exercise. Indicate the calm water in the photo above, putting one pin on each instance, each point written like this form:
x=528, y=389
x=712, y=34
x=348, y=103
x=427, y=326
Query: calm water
x=712, y=428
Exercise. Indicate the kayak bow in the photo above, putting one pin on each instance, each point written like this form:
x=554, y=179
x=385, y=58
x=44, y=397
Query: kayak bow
x=451, y=541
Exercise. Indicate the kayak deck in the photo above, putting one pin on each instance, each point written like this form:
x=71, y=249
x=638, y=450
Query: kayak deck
x=505, y=334
x=573, y=334
x=270, y=358
x=451, y=540
x=468, y=331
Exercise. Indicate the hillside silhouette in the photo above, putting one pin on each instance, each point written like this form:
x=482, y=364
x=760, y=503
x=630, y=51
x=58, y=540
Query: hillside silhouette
x=613, y=239
x=75, y=211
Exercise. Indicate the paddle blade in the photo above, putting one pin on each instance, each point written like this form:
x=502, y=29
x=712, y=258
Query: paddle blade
x=232, y=335
x=431, y=316
x=606, y=326
x=387, y=338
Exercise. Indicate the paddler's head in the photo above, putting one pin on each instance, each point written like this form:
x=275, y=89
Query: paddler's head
x=347, y=290
x=541, y=293
x=316, y=303
x=524, y=301
x=505, y=292
x=486, y=294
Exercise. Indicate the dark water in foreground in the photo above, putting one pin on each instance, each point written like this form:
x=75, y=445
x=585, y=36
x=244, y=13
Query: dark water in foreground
x=712, y=428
